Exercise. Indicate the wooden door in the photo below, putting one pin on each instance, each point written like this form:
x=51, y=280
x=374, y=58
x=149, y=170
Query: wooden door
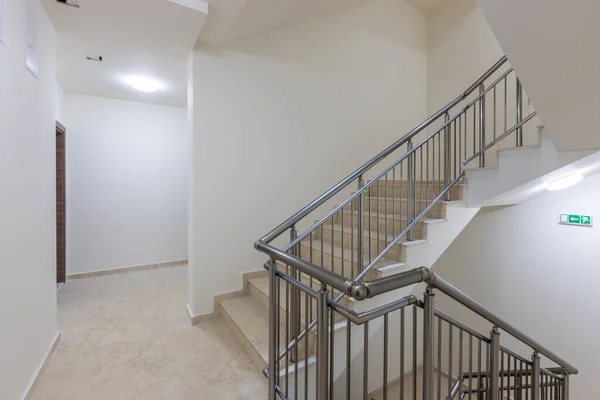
x=61, y=265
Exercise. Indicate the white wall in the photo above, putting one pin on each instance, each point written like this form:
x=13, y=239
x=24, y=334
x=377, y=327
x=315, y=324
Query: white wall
x=460, y=47
x=552, y=46
x=126, y=184
x=281, y=117
x=27, y=201
x=59, y=101
x=540, y=276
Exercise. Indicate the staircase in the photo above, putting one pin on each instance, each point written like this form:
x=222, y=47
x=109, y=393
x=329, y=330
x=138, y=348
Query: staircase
x=338, y=313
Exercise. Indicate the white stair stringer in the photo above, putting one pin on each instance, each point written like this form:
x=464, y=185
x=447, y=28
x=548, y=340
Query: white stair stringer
x=516, y=167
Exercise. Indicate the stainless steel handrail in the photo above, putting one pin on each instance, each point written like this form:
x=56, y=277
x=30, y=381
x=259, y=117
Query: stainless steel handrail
x=363, y=290
x=375, y=160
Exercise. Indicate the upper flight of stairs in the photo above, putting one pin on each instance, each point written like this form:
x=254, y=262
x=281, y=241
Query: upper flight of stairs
x=247, y=314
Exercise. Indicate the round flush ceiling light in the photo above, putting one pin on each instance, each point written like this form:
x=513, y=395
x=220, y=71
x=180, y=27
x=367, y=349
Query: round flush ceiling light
x=143, y=83
x=564, y=182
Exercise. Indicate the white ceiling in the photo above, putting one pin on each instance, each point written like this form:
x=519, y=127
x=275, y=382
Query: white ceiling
x=155, y=37
x=151, y=37
x=426, y=5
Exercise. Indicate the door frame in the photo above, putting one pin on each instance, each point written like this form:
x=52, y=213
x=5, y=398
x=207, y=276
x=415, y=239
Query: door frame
x=61, y=205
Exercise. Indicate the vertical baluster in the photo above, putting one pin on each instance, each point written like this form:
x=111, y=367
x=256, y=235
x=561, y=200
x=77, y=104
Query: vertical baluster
x=352, y=240
x=428, y=343
x=322, y=344
x=482, y=127
x=333, y=251
x=360, y=222
x=474, y=132
x=378, y=213
x=464, y=114
x=505, y=103
x=494, y=364
x=273, y=324
x=479, y=379
x=456, y=160
x=331, y=354
x=421, y=181
x=450, y=351
x=394, y=201
x=470, y=363
x=447, y=155
x=460, y=353
x=508, y=357
x=414, y=354
x=426, y=174
x=366, y=362
x=287, y=337
x=439, y=359
x=307, y=300
x=494, y=112
x=370, y=197
x=348, y=358
x=295, y=299
x=502, y=372
x=385, y=355
x=342, y=240
x=385, y=197
x=535, y=378
x=322, y=244
x=402, y=338
x=519, y=109
x=409, y=213
x=400, y=197
x=439, y=175
x=565, y=387
x=515, y=379
x=460, y=155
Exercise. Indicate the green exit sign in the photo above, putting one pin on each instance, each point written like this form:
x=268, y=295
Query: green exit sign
x=575, y=219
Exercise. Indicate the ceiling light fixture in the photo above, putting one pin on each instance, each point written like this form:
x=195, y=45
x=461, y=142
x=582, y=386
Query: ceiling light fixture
x=143, y=83
x=564, y=182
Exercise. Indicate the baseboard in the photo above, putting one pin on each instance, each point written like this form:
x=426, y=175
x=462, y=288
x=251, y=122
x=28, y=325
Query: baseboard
x=40, y=369
x=196, y=319
x=125, y=269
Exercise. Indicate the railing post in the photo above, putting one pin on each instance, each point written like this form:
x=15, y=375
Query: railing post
x=428, y=343
x=361, y=216
x=273, y=328
x=409, y=200
x=565, y=387
x=519, y=113
x=447, y=156
x=494, y=389
x=294, y=300
x=535, y=378
x=481, y=127
x=322, y=345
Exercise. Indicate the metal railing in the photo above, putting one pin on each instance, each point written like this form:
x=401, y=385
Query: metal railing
x=418, y=352
x=344, y=248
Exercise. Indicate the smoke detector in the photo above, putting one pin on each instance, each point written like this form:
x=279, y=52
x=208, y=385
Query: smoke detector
x=70, y=3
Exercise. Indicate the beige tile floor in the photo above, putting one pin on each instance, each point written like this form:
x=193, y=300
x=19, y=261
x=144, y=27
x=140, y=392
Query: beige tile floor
x=127, y=336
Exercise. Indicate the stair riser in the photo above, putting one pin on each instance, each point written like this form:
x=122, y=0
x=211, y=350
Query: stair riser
x=349, y=239
x=400, y=207
x=337, y=262
x=380, y=224
x=426, y=192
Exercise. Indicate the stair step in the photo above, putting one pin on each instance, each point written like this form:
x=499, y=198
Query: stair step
x=249, y=322
x=259, y=288
x=342, y=261
x=399, y=206
x=383, y=222
x=350, y=239
x=421, y=189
